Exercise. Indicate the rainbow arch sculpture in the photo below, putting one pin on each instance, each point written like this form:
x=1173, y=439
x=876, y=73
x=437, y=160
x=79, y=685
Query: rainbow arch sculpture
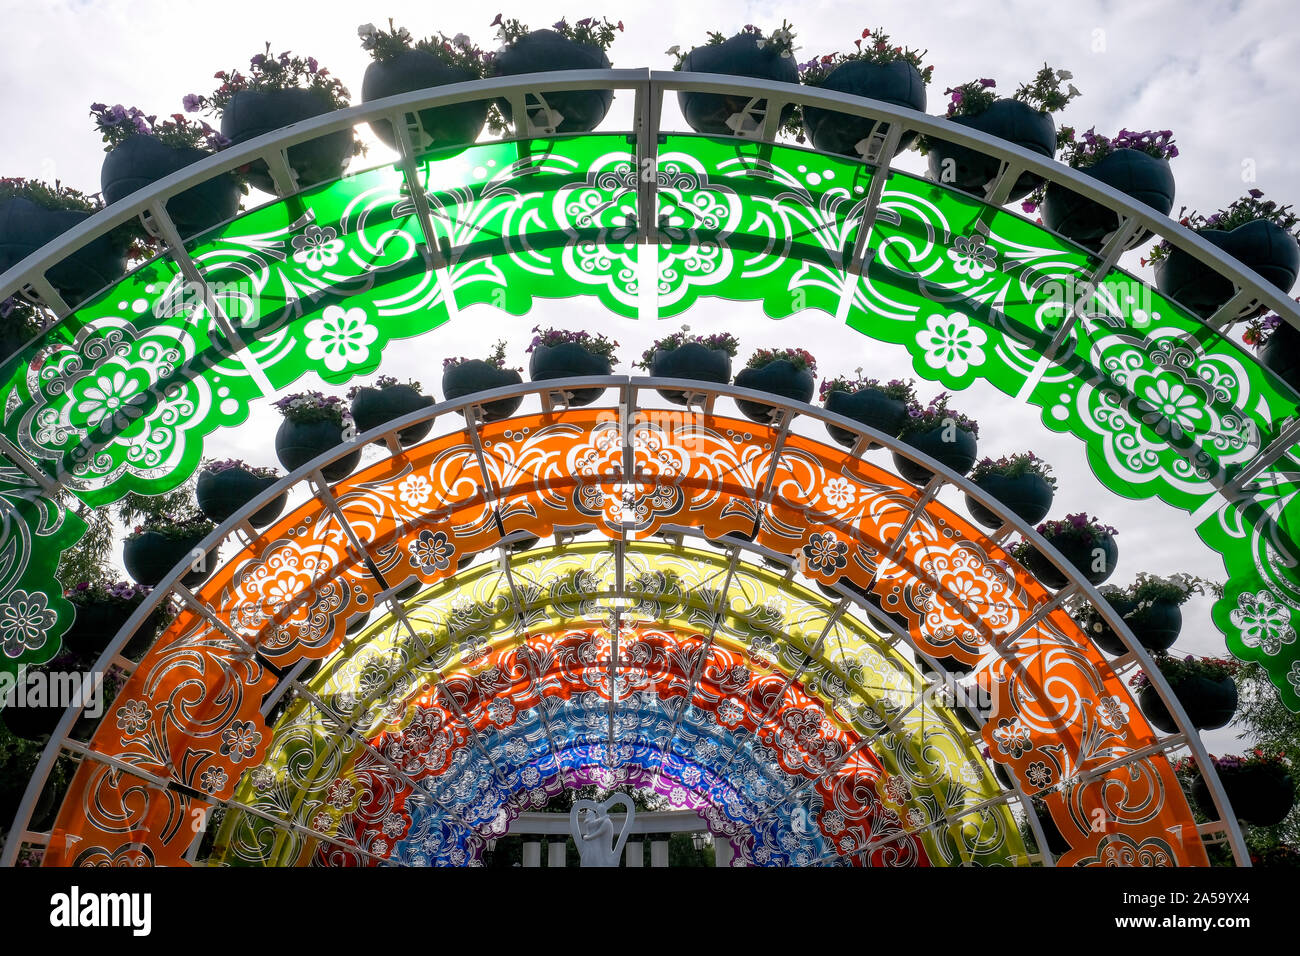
x=191, y=340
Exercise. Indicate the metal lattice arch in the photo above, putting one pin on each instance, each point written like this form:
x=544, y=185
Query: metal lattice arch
x=665, y=636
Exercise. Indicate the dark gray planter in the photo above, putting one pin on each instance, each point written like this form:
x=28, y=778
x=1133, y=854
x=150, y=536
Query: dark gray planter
x=141, y=161
x=691, y=360
x=221, y=494
x=1281, y=353
x=1029, y=496
x=972, y=171
x=1260, y=795
x=739, y=56
x=1080, y=554
x=545, y=51
x=1209, y=704
x=779, y=377
x=1104, y=636
x=568, y=360
x=1259, y=245
x=441, y=126
x=958, y=454
x=373, y=407
x=25, y=227
x=476, y=375
x=897, y=83
x=297, y=443
x=1140, y=175
x=252, y=113
x=870, y=406
x=149, y=557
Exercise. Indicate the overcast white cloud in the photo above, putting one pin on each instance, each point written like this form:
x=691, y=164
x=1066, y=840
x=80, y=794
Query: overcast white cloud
x=1221, y=76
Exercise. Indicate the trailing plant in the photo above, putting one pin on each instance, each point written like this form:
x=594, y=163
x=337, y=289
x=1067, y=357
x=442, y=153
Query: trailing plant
x=306, y=408
x=46, y=196
x=589, y=31
x=900, y=390
x=117, y=124
x=381, y=383
x=1045, y=93
x=1259, y=331
x=1089, y=148
x=229, y=464
x=1013, y=466
x=1088, y=617
x=495, y=358
x=124, y=593
x=799, y=358
x=718, y=340
x=874, y=46
x=458, y=51
x=1147, y=589
x=183, y=526
x=971, y=98
x=936, y=414
x=596, y=344
x=1249, y=208
x=1176, y=669
x=267, y=73
x=781, y=39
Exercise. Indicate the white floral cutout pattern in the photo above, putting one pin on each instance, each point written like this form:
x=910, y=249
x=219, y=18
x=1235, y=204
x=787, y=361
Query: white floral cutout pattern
x=950, y=342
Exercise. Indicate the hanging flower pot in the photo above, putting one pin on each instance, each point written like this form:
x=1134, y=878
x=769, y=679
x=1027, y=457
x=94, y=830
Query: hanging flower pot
x=386, y=400
x=1277, y=343
x=1085, y=543
x=27, y=224
x=703, y=358
x=313, y=424
x=357, y=624
x=28, y=719
x=866, y=400
x=1256, y=232
x=581, y=46
x=279, y=91
x=252, y=113
x=748, y=53
x=1101, y=633
x=946, y=435
x=876, y=70
x=790, y=373
x=1204, y=686
x=477, y=375
x=400, y=67
x=557, y=353
x=153, y=549
x=1024, y=120
x=1056, y=841
x=102, y=610
x=1024, y=483
x=226, y=486
x=1260, y=788
x=1281, y=353
x=142, y=151
x=1136, y=164
x=462, y=377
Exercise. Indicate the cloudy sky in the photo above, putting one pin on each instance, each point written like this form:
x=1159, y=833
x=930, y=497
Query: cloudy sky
x=1220, y=75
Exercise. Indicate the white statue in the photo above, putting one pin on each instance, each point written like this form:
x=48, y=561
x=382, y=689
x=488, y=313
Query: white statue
x=593, y=830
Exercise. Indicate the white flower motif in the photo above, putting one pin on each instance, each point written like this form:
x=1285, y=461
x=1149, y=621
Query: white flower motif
x=115, y=398
x=318, y=248
x=1293, y=675
x=951, y=342
x=340, y=338
x=972, y=257
x=1112, y=712
x=1263, y=622
x=1170, y=408
x=24, y=621
x=414, y=491
x=838, y=493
